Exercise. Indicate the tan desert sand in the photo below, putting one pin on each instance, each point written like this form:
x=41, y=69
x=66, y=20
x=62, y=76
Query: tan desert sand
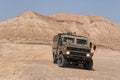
x=34, y=62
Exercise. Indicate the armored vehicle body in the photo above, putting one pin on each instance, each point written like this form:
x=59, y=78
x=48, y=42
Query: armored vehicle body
x=69, y=48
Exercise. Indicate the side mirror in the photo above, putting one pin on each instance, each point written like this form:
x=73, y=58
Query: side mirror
x=90, y=44
x=94, y=47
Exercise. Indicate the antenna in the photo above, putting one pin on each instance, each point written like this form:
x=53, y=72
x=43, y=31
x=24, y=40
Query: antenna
x=74, y=33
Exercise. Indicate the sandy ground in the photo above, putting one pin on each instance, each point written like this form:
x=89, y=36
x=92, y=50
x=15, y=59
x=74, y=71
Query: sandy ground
x=34, y=62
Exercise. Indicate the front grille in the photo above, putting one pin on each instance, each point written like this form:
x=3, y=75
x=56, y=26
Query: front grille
x=78, y=49
x=77, y=54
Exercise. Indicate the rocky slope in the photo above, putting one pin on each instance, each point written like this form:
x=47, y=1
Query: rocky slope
x=31, y=27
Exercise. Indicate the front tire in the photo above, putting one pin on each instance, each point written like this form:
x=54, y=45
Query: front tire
x=88, y=63
x=61, y=61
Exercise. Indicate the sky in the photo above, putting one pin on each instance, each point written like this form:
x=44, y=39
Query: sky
x=107, y=8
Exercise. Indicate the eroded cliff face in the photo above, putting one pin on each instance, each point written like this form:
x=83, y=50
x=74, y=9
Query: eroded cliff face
x=31, y=27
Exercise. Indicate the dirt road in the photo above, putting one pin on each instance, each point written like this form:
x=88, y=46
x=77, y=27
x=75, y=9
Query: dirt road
x=34, y=62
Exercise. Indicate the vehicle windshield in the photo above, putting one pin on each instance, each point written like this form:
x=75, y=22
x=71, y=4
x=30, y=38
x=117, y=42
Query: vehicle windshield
x=68, y=39
x=82, y=41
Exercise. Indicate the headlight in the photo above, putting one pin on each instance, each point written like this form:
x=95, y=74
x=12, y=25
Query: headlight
x=88, y=55
x=68, y=52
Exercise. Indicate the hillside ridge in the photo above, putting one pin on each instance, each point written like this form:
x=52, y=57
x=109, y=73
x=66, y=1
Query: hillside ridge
x=31, y=27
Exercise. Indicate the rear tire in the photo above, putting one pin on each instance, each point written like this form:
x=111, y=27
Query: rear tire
x=54, y=58
x=88, y=63
x=61, y=61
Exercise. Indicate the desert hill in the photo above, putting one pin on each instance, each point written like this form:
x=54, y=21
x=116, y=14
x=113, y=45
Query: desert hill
x=31, y=27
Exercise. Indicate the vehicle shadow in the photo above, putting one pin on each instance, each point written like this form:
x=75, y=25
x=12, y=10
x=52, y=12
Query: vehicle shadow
x=77, y=67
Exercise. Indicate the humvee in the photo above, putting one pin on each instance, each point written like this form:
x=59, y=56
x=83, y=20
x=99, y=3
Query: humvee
x=69, y=48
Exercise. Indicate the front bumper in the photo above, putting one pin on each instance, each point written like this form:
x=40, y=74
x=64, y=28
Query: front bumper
x=76, y=56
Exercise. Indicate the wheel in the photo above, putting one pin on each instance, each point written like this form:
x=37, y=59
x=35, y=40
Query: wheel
x=88, y=63
x=54, y=58
x=61, y=61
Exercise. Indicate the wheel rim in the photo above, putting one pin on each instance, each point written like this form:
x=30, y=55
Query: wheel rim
x=60, y=60
x=87, y=63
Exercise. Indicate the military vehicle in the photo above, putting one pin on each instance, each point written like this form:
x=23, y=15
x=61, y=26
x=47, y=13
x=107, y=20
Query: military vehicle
x=69, y=48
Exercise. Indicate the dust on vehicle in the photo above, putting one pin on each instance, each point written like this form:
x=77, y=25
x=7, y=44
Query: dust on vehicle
x=69, y=48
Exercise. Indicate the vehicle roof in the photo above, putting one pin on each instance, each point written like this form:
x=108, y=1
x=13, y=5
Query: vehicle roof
x=72, y=35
